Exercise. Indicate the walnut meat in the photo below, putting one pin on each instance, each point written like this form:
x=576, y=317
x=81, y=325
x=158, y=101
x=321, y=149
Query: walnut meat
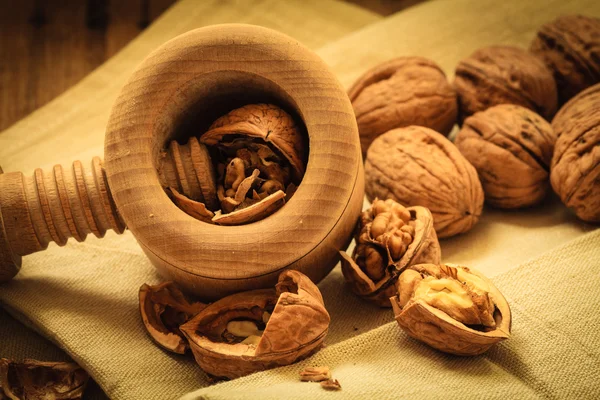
x=34, y=379
x=164, y=309
x=575, y=168
x=259, y=329
x=389, y=238
x=570, y=47
x=502, y=74
x=452, y=308
x=511, y=148
x=417, y=166
x=401, y=92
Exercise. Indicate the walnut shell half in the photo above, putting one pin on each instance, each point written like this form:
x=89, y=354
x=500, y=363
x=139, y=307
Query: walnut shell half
x=511, y=149
x=34, y=379
x=452, y=308
x=389, y=238
x=417, y=166
x=575, y=168
x=259, y=329
x=163, y=309
x=503, y=74
x=570, y=47
x=402, y=92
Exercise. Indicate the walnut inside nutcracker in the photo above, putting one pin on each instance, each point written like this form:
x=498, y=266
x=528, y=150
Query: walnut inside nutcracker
x=259, y=329
x=570, y=47
x=504, y=75
x=244, y=168
x=389, y=238
x=260, y=161
x=401, y=92
x=452, y=308
x=511, y=148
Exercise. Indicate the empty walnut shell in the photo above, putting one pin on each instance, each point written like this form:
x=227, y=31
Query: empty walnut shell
x=570, y=47
x=163, y=309
x=502, y=74
x=34, y=379
x=273, y=327
x=389, y=238
x=452, y=308
x=401, y=92
x=575, y=168
x=511, y=148
x=417, y=166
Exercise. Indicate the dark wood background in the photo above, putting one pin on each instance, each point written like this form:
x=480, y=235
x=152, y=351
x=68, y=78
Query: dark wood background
x=46, y=46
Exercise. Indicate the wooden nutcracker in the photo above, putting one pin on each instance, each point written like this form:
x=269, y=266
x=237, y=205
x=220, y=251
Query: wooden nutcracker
x=175, y=94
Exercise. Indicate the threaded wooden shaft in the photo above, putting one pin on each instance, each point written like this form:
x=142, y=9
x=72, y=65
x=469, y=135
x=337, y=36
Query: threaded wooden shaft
x=180, y=167
x=57, y=205
x=53, y=206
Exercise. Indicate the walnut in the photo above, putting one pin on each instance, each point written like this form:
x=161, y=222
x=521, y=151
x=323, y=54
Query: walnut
x=575, y=167
x=260, y=161
x=502, y=74
x=570, y=47
x=389, y=238
x=452, y=308
x=417, y=166
x=401, y=92
x=511, y=148
x=34, y=379
x=163, y=309
x=259, y=329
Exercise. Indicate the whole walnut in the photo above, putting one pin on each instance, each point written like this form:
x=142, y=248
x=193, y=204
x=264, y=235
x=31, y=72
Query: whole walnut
x=570, y=46
x=511, y=149
x=502, y=74
x=575, y=168
x=417, y=166
x=401, y=92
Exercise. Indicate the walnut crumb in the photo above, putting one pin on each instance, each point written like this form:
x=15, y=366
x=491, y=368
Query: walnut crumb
x=315, y=374
x=331, y=384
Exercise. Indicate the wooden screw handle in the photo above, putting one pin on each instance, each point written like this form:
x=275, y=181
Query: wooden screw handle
x=52, y=207
x=73, y=202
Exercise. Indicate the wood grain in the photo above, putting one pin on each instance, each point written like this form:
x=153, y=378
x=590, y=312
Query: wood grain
x=46, y=47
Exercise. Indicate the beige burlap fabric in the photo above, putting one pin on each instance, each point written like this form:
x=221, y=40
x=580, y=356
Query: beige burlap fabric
x=89, y=308
x=553, y=352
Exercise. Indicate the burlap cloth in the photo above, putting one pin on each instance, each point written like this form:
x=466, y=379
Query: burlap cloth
x=83, y=297
x=89, y=308
x=553, y=353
